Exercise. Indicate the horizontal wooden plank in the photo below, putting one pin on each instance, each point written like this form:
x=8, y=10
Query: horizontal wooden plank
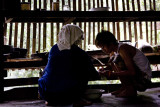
x=155, y=74
x=25, y=64
x=32, y=92
x=21, y=93
x=34, y=80
x=95, y=52
x=152, y=57
x=23, y=59
x=36, y=63
x=81, y=16
x=20, y=81
x=112, y=87
x=63, y=20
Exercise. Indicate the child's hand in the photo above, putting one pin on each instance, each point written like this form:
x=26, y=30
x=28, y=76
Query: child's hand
x=104, y=72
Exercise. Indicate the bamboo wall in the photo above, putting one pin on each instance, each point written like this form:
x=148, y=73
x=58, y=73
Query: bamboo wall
x=41, y=36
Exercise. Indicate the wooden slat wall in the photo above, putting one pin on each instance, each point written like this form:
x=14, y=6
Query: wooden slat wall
x=42, y=32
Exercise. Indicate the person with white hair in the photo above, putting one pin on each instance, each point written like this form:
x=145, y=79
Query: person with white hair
x=68, y=70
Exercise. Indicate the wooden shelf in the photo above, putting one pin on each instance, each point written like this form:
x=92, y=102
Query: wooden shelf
x=80, y=16
x=152, y=57
x=25, y=63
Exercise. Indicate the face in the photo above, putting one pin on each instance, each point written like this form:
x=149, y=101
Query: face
x=79, y=41
x=106, y=49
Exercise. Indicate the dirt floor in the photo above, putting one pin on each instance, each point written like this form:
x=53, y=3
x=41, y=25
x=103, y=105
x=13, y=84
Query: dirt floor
x=149, y=98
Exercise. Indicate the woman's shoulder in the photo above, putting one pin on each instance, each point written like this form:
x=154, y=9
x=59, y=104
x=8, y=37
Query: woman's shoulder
x=54, y=50
x=54, y=47
x=77, y=50
x=75, y=47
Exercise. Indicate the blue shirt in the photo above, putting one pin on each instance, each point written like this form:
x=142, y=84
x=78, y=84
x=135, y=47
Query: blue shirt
x=66, y=70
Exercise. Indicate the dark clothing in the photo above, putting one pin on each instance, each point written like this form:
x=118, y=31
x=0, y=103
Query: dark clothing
x=66, y=74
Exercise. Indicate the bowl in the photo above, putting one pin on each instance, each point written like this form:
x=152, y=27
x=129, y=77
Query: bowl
x=94, y=94
x=43, y=55
x=99, y=9
x=7, y=49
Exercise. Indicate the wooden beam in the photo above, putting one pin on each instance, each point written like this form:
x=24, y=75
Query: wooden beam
x=25, y=64
x=112, y=87
x=1, y=59
x=21, y=93
x=20, y=81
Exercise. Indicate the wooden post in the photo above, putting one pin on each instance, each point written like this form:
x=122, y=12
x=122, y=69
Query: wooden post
x=10, y=34
x=98, y=5
x=145, y=8
x=45, y=27
x=28, y=35
x=129, y=23
x=135, y=24
x=22, y=32
x=140, y=23
x=113, y=9
x=124, y=23
x=155, y=24
x=102, y=23
x=39, y=31
x=22, y=35
x=89, y=26
x=80, y=9
x=52, y=34
x=1, y=59
x=34, y=31
x=118, y=26
x=94, y=25
x=15, y=34
x=84, y=1
x=28, y=38
x=151, y=24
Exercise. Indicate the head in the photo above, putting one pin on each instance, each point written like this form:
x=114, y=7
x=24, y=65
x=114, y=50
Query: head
x=69, y=35
x=106, y=41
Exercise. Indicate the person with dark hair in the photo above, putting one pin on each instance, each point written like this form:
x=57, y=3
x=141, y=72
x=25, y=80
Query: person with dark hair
x=127, y=62
x=69, y=68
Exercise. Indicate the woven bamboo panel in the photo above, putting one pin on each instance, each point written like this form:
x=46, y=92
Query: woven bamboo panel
x=42, y=36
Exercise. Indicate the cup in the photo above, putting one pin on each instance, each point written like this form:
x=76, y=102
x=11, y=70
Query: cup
x=66, y=8
x=55, y=6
